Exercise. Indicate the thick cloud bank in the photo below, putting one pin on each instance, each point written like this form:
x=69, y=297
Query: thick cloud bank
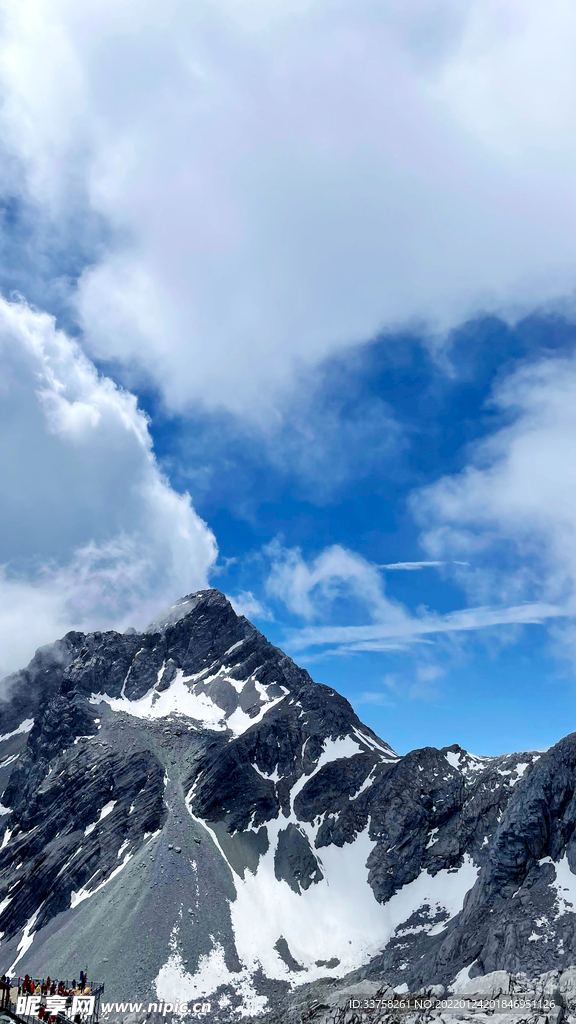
x=91, y=533
x=278, y=181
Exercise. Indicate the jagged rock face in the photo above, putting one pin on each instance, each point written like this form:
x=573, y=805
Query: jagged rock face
x=188, y=813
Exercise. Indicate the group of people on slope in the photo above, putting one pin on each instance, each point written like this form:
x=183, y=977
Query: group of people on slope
x=43, y=990
x=51, y=987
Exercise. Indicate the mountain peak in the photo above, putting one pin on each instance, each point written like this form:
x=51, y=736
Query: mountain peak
x=185, y=606
x=141, y=770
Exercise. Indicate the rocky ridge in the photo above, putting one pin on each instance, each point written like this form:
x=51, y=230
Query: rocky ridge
x=187, y=812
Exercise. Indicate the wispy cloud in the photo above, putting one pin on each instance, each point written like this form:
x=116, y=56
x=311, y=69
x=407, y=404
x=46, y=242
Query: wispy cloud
x=411, y=565
x=313, y=589
x=414, y=629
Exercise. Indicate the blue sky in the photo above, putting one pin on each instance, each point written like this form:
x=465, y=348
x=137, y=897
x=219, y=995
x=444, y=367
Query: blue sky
x=496, y=689
x=287, y=308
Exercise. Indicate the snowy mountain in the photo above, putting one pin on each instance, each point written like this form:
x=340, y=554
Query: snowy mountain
x=186, y=812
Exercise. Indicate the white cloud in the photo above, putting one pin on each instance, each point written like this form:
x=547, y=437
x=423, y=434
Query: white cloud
x=308, y=590
x=279, y=181
x=91, y=533
x=312, y=590
x=246, y=604
x=514, y=506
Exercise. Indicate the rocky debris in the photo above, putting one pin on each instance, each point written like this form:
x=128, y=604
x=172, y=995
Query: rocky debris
x=539, y=1000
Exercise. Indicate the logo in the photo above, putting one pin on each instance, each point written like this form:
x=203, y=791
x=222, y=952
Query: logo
x=29, y=1005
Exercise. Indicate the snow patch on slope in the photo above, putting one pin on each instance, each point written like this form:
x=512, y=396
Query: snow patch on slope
x=175, y=982
x=177, y=699
x=565, y=885
x=462, y=979
x=339, y=914
x=26, y=940
x=333, y=750
x=444, y=891
x=107, y=809
x=467, y=763
x=86, y=894
x=239, y=721
x=9, y=760
x=24, y=726
x=377, y=745
x=180, y=699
